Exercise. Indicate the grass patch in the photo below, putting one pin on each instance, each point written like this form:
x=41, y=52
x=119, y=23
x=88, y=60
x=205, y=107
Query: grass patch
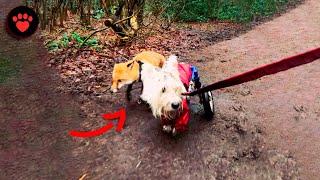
x=8, y=69
x=230, y=10
x=72, y=39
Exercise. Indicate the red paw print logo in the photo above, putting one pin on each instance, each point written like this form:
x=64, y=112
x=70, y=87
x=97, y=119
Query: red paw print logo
x=22, y=22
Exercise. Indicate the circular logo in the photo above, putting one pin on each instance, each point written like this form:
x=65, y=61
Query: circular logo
x=22, y=22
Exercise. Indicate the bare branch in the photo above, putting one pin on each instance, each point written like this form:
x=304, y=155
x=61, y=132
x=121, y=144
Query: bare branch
x=103, y=29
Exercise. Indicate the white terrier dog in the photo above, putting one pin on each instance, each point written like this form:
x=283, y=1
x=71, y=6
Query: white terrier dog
x=162, y=89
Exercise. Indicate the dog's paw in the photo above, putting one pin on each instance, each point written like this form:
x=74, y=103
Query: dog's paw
x=166, y=128
x=140, y=101
x=174, y=132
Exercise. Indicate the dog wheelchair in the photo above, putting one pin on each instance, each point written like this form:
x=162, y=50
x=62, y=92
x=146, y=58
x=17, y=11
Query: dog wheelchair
x=206, y=98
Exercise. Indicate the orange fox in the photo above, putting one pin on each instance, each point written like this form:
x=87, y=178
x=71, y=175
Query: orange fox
x=127, y=73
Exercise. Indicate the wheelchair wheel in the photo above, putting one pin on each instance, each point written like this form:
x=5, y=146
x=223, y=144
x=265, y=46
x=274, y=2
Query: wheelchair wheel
x=208, y=105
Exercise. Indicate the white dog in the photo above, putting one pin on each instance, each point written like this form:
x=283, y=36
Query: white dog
x=162, y=89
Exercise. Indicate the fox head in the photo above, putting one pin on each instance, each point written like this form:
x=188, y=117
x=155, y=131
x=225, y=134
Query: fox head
x=124, y=73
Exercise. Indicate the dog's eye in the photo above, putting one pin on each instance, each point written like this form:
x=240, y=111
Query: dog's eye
x=119, y=80
x=163, y=90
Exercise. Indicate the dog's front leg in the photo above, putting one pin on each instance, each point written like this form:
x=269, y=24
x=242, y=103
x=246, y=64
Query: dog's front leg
x=128, y=93
x=140, y=101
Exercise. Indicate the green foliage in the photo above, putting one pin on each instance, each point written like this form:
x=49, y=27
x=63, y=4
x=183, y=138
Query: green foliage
x=53, y=46
x=65, y=40
x=113, y=9
x=7, y=70
x=98, y=14
x=74, y=38
x=92, y=42
x=203, y=10
x=194, y=10
x=80, y=39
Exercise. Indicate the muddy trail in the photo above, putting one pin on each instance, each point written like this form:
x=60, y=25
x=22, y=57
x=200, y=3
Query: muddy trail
x=286, y=105
x=36, y=115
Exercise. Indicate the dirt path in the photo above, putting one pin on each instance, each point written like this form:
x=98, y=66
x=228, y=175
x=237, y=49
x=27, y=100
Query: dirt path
x=34, y=116
x=286, y=104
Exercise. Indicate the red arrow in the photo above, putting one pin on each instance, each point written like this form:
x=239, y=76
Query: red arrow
x=121, y=114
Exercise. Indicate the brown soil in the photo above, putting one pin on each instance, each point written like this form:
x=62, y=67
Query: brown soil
x=36, y=116
x=287, y=105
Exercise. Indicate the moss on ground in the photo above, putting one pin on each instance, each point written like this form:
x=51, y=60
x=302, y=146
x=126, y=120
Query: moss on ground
x=8, y=70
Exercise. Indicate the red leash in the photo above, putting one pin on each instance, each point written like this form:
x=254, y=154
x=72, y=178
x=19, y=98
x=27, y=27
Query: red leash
x=265, y=70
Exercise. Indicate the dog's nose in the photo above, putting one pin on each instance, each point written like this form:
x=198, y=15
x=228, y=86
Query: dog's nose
x=175, y=105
